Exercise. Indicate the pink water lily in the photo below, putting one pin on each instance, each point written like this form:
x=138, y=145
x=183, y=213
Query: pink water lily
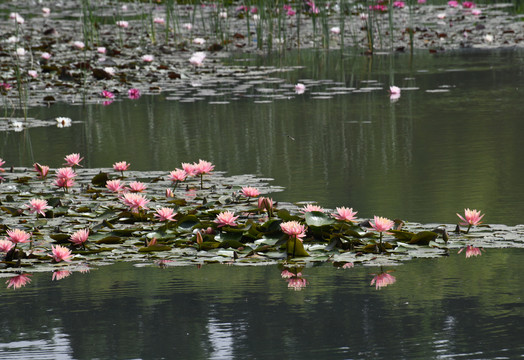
x=177, y=175
x=471, y=251
x=189, y=169
x=165, y=214
x=471, y=218
x=42, y=170
x=79, y=237
x=226, y=218
x=137, y=186
x=18, y=236
x=300, y=88
x=133, y=94
x=121, y=166
x=38, y=206
x=122, y=23
x=134, y=201
x=6, y=245
x=73, y=160
x=294, y=229
x=248, y=191
x=115, y=186
x=61, y=253
x=310, y=207
x=382, y=224
x=345, y=214
x=107, y=94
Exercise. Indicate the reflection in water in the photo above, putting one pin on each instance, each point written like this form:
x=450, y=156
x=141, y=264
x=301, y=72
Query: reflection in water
x=18, y=281
x=472, y=251
x=294, y=278
x=383, y=279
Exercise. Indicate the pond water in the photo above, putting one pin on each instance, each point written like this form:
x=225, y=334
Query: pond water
x=445, y=308
x=452, y=140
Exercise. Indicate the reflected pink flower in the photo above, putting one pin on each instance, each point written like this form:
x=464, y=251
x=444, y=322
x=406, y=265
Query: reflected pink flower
x=79, y=45
x=133, y=94
x=6, y=245
x=294, y=229
x=382, y=224
x=165, y=214
x=471, y=251
x=73, y=160
x=122, y=23
x=421, y=1
x=286, y=274
x=189, y=169
x=248, y=191
x=345, y=214
x=134, y=201
x=310, y=207
x=60, y=274
x=16, y=282
x=148, y=58
x=61, y=253
x=18, y=236
x=38, y=206
x=383, y=280
x=115, y=186
x=348, y=265
x=296, y=283
x=472, y=218
x=107, y=94
x=226, y=218
x=300, y=88
x=177, y=175
x=79, y=237
x=42, y=170
x=137, y=186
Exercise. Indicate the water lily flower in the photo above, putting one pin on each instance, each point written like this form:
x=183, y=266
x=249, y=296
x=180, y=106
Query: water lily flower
x=110, y=71
x=421, y=1
x=382, y=280
x=222, y=14
x=488, y=37
x=476, y=12
x=65, y=178
x=20, y=51
x=38, y=206
x=62, y=121
x=266, y=204
x=399, y=4
x=148, y=58
x=16, y=17
x=32, y=73
x=115, y=186
x=310, y=207
x=300, y=88
x=165, y=214
x=187, y=26
x=471, y=218
x=169, y=193
x=135, y=202
x=453, y=3
x=42, y=170
x=313, y=9
x=122, y=23
x=6, y=245
x=382, y=224
x=16, y=282
x=394, y=90
x=137, y=186
x=197, y=59
x=286, y=274
x=294, y=229
x=79, y=45
x=441, y=16
x=226, y=218
x=468, y=4
x=107, y=94
x=60, y=274
x=133, y=94
x=46, y=11
x=335, y=30
x=61, y=253
x=79, y=237
x=199, y=41
x=248, y=191
x=18, y=236
x=101, y=50
x=177, y=175
x=159, y=20
x=345, y=214
x=73, y=160
x=189, y=169
x=121, y=166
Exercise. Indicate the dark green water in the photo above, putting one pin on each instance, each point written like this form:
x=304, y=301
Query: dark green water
x=422, y=158
x=446, y=308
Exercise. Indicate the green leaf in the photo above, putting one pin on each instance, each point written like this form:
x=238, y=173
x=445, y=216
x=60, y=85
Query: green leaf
x=111, y=239
x=286, y=216
x=317, y=218
x=100, y=179
x=188, y=222
x=156, y=247
x=423, y=238
x=295, y=248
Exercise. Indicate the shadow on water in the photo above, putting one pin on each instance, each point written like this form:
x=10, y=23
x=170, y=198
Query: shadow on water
x=451, y=141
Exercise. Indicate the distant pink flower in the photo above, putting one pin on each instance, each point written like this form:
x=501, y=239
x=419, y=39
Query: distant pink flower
x=335, y=30
x=394, y=90
x=16, y=282
x=383, y=280
x=32, y=73
x=203, y=167
x=17, y=236
x=165, y=214
x=159, y=20
x=310, y=207
x=61, y=253
x=148, y=58
x=248, y=191
x=313, y=9
x=300, y=88
x=107, y=94
x=471, y=251
x=399, y=4
x=468, y=4
x=6, y=245
x=122, y=23
x=421, y=1
x=64, y=183
x=79, y=45
x=294, y=229
x=46, y=11
x=60, y=274
x=382, y=224
x=441, y=16
x=187, y=26
x=65, y=178
x=79, y=237
x=199, y=41
x=476, y=12
x=345, y=214
x=133, y=94
x=226, y=218
x=134, y=201
x=137, y=186
x=189, y=169
x=38, y=206
x=197, y=59
x=177, y=175
x=42, y=170
x=101, y=50
x=2, y=162
x=115, y=186
x=121, y=166
x=453, y=3
x=73, y=160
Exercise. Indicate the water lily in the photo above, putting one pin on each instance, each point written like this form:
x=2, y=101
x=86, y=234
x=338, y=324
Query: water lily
x=201, y=168
x=121, y=166
x=115, y=186
x=226, y=218
x=300, y=88
x=471, y=218
x=148, y=58
x=335, y=30
x=133, y=94
x=61, y=253
x=310, y=207
x=137, y=186
x=135, y=202
x=294, y=229
x=122, y=23
x=73, y=160
x=62, y=121
x=159, y=20
x=107, y=94
x=453, y=3
x=17, y=236
x=80, y=237
x=197, y=59
x=32, y=73
x=382, y=224
x=101, y=50
x=165, y=214
x=399, y=4
x=345, y=214
x=199, y=41
x=38, y=206
x=42, y=170
x=79, y=45
x=249, y=191
x=6, y=245
x=383, y=280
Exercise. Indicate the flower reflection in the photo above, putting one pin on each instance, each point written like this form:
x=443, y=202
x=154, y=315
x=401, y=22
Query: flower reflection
x=382, y=280
x=294, y=278
x=18, y=281
x=471, y=251
x=60, y=274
